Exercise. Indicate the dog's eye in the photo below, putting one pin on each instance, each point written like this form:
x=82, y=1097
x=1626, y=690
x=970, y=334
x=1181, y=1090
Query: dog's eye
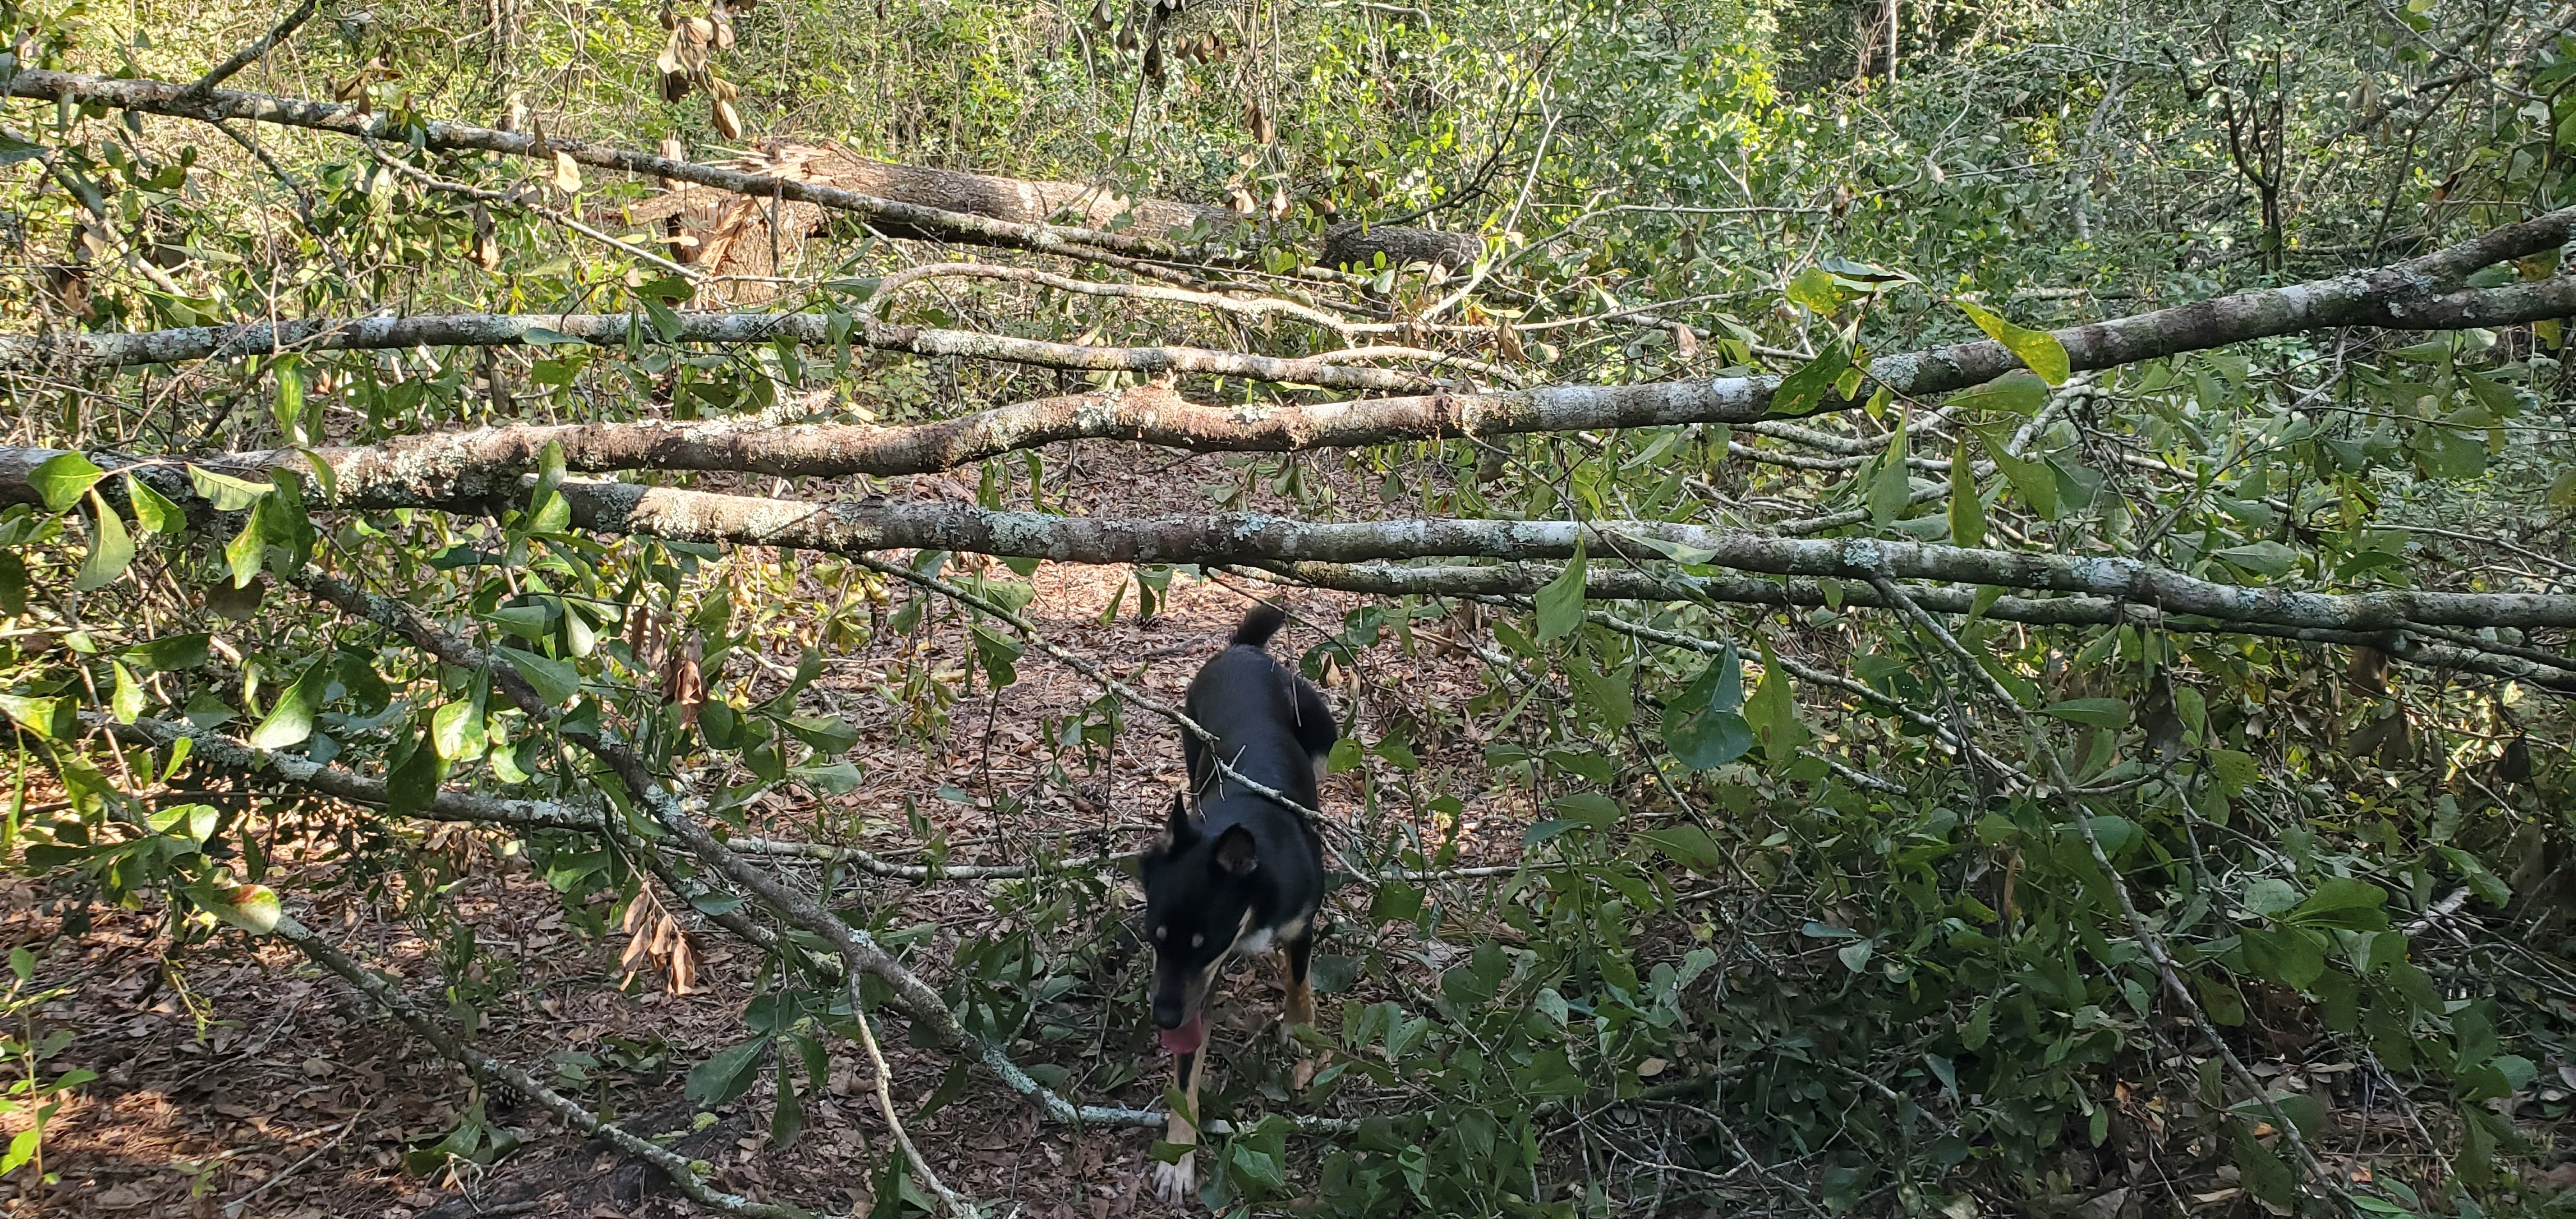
x=1198, y=941
x=1161, y=934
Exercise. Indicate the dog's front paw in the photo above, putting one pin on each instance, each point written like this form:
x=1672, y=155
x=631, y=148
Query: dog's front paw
x=1177, y=1183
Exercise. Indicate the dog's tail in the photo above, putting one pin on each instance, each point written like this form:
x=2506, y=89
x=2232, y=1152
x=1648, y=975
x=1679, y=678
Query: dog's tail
x=1258, y=626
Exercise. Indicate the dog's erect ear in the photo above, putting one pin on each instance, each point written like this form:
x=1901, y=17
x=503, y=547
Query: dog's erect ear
x=1236, y=852
x=1178, y=832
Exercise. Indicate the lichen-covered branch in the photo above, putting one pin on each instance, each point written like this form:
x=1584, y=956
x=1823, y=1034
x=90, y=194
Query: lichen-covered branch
x=2413, y=642
x=696, y=516
x=76, y=349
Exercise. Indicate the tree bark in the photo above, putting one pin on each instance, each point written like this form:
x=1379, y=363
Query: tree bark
x=168, y=98
x=1265, y=540
x=1015, y=200
x=470, y=464
x=1630, y=584
x=900, y=200
x=1356, y=246
x=73, y=349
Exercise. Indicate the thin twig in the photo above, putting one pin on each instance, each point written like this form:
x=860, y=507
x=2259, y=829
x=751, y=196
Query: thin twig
x=491, y=1069
x=246, y=56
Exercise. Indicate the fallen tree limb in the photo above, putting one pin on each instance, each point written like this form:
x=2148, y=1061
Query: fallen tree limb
x=854, y=528
x=2412, y=642
x=462, y=462
x=76, y=349
x=1016, y=200
x=858, y=528
x=212, y=105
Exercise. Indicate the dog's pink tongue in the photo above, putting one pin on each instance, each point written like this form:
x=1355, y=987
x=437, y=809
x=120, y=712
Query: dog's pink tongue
x=1186, y=1039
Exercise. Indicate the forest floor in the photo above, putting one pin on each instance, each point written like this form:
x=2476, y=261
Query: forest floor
x=239, y=1081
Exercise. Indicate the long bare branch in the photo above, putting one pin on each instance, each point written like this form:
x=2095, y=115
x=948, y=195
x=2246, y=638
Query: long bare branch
x=697, y=516
x=90, y=349
x=862, y=527
x=2429, y=647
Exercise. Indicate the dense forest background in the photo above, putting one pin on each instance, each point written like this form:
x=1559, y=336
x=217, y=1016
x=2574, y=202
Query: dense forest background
x=1937, y=609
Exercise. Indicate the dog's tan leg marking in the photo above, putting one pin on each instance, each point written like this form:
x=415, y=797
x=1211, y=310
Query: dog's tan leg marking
x=1296, y=1012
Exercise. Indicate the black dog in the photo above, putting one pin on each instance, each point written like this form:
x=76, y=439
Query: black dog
x=1247, y=873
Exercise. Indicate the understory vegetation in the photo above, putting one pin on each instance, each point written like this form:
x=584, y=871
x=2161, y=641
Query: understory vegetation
x=1937, y=609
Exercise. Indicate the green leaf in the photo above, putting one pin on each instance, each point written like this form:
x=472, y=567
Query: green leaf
x=2264, y=558
x=2271, y=895
x=554, y=681
x=2037, y=348
x=1708, y=740
x=2483, y=883
x=1256, y=1165
x=111, y=549
x=786, y=1116
x=242, y=555
x=1560, y=601
x=291, y=720
x=1689, y=845
x=127, y=702
x=828, y=733
x=154, y=512
x=1855, y=955
x=2288, y=957
x=225, y=492
x=1687, y=556
x=170, y=653
x=253, y=908
x=1967, y=510
x=2014, y=393
x=540, y=336
x=412, y=785
x=1607, y=695
x=2235, y=770
x=2343, y=902
x=2034, y=481
x=1815, y=288
x=288, y=409
x=728, y=1074
x=999, y=655
x=456, y=730
x=2097, y=712
x=1891, y=488
x=60, y=480
x=1702, y=727
x=531, y=622
x=1772, y=712
x=1395, y=902
x=1592, y=809
x=1801, y=391
x=838, y=778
